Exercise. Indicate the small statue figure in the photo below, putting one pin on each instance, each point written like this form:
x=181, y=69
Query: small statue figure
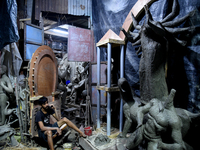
x=84, y=73
x=77, y=88
x=5, y=87
x=64, y=68
x=5, y=132
x=21, y=80
x=63, y=71
x=130, y=107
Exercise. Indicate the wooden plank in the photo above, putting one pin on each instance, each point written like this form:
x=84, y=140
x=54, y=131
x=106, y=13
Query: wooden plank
x=100, y=87
x=136, y=10
x=112, y=41
x=34, y=98
x=111, y=89
x=53, y=25
x=110, y=37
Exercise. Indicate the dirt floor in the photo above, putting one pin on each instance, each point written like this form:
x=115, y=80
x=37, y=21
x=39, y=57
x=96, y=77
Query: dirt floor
x=72, y=140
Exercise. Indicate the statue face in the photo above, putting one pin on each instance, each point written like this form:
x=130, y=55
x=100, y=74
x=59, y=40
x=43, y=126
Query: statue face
x=3, y=69
x=63, y=63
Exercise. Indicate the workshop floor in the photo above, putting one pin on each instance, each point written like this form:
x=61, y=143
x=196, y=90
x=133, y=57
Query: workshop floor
x=72, y=139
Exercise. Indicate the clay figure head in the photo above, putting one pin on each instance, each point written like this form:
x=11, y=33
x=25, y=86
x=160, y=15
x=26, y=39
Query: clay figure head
x=125, y=90
x=3, y=69
x=64, y=62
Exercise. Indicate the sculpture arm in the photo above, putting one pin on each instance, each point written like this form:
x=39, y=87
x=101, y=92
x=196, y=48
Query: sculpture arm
x=6, y=84
x=61, y=87
x=85, y=69
x=141, y=112
x=127, y=126
x=128, y=121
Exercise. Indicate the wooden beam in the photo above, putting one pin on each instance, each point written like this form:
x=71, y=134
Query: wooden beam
x=105, y=88
x=137, y=9
x=53, y=25
x=25, y=19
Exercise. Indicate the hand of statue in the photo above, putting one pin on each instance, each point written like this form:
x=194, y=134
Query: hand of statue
x=160, y=145
x=59, y=132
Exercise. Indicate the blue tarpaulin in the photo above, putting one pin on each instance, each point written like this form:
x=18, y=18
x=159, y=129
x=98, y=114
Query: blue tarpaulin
x=184, y=72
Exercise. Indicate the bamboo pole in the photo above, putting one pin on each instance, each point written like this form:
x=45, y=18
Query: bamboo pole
x=19, y=111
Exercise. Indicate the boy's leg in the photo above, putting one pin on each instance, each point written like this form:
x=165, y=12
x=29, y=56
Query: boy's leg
x=49, y=139
x=70, y=124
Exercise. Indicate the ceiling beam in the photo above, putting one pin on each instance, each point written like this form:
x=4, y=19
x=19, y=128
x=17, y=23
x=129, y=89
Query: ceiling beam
x=55, y=34
x=53, y=25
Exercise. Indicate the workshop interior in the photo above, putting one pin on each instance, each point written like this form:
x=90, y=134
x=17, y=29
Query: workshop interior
x=99, y=75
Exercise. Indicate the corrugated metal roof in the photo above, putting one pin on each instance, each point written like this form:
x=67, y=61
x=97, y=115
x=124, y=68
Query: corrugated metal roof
x=80, y=7
x=58, y=6
x=73, y=7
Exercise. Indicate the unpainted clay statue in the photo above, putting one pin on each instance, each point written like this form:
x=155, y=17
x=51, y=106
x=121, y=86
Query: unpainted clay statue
x=155, y=39
x=77, y=88
x=5, y=87
x=166, y=126
x=130, y=107
x=163, y=120
x=154, y=119
x=5, y=132
x=63, y=74
x=63, y=68
x=161, y=117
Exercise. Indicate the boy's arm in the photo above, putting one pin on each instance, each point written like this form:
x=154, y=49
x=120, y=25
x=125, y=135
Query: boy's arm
x=44, y=128
x=55, y=115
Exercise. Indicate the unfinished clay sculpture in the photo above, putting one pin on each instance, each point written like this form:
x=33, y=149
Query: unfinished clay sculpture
x=164, y=122
x=101, y=140
x=155, y=39
x=5, y=132
x=139, y=115
x=63, y=76
x=130, y=107
x=162, y=116
x=5, y=88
